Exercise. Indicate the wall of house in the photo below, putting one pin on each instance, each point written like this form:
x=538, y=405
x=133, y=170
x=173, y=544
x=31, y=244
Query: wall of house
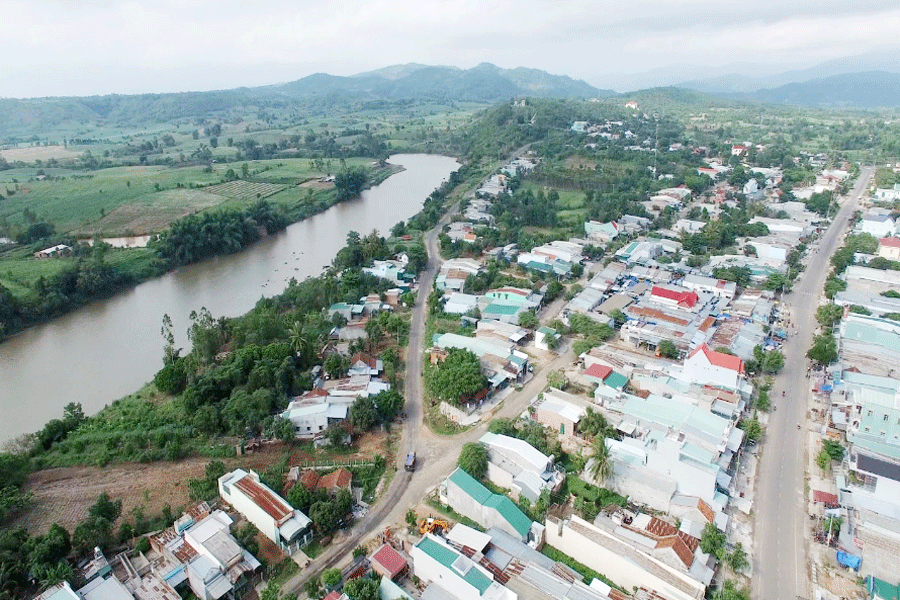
x=878, y=228
x=553, y=421
x=465, y=505
x=252, y=512
x=699, y=370
x=502, y=478
x=621, y=569
x=644, y=486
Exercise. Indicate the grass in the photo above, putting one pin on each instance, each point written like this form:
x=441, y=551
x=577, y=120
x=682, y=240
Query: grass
x=452, y=514
x=586, y=572
x=282, y=571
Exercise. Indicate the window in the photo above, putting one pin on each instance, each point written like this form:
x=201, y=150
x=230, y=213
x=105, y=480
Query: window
x=562, y=428
x=885, y=418
x=869, y=414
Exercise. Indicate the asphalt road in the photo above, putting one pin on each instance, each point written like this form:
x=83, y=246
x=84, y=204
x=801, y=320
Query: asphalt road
x=780, y=509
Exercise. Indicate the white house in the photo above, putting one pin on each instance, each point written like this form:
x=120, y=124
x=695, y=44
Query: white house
x=288, y=528
x=518, y=466
x=312, y=418
x=878, y=223
x=708, y=367
x=438, y=563
x=889, y=248
x=459, y=303
x=546, y=338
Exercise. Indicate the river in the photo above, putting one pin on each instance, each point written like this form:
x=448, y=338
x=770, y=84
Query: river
x=108, y=349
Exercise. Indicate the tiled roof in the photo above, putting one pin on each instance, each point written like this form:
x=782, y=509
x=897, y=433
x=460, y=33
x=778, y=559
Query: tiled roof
x=825, y=497
x=309, y=479
x=366, y=358
x=336, y=479
x=891, y=242
x=390, y=559
x=264, y=498
x=681, y=297
x=720, y=359
x=599, y=371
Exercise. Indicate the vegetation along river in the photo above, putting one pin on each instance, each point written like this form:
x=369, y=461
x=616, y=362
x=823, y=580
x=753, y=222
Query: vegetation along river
x=110, y=348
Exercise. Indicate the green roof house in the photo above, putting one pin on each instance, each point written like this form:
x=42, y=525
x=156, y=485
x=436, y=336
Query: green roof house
x=464, y=494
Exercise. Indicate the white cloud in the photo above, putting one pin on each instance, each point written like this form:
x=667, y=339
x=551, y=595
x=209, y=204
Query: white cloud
x=103, y=46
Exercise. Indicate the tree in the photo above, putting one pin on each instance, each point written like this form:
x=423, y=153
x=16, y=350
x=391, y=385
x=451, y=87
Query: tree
x=350, y=182
x=361, y=589
x=331, y=579
x=737, y=559
x=336, y=365
x=457, y=378
x=752, y=429
x=829, y=314
x=667, y=349
x=823, y=350
x=772, y=362
x=473, y=459
x=602, y=465
x=528, y=320
x=712, y=541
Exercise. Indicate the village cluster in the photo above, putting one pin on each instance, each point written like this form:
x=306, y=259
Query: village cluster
x=673, y=384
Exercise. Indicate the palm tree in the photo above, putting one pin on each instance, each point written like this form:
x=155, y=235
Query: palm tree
x=300, y=342
x=602, y=467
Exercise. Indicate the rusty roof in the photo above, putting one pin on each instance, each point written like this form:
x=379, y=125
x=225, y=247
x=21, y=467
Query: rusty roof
x=336, y=479
x=309, y=479
x=264, y=498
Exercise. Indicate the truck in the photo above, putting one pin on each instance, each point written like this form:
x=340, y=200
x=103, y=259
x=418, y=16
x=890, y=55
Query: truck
x=410, y=462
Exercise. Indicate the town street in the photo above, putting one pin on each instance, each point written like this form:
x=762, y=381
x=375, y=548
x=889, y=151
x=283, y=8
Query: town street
x=781, y=566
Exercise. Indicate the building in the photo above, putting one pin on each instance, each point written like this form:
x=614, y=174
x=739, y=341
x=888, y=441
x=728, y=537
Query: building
x=674, y=297
x=438, y=563
x=388, y=562
x=602, y=233
x=58, y=250
x=878, y=223
x=889, y=248
x=464, y=494
x=546, y=338
x=516, y=465
x=558, y=411
x=312, y=419
x=631, y=564
x=334, y=482
x=221, y=566
x=363, y=363
x=709, y=367
x=288, y=528
x=59, y=591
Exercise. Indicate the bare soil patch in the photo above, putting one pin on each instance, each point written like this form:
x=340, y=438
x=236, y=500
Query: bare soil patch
x=64, y=495
x=315, y=184
x=164, y=208
x=37, y=152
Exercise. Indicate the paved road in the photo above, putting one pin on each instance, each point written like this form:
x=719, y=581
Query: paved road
x=780, y=508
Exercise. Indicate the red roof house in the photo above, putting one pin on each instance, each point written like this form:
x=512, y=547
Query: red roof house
x=598, y=372
x=710, y=368
x=389, y=563
x=680, y=298
x=336, y=481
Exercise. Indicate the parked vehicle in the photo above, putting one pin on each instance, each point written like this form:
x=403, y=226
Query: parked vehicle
x=410, y=462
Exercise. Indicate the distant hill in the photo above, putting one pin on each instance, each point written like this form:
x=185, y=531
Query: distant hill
x=873, y=89
x=485, y=83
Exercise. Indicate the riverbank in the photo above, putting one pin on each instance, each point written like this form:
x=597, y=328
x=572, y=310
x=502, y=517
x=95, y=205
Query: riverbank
x=35, y=291
x=117, y=341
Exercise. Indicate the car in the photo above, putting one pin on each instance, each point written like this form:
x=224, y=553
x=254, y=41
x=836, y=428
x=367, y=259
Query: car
x=410, y=462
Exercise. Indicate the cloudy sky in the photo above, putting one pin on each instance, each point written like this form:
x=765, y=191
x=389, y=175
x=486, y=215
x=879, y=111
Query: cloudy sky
x=86, y=47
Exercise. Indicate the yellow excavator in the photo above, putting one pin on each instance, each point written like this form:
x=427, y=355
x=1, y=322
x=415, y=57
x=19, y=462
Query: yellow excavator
x=435, y=526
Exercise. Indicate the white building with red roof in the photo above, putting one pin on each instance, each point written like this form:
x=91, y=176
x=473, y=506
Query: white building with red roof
x=287, y=527
x=672, y=297
x=708, y=367
x=889, y=248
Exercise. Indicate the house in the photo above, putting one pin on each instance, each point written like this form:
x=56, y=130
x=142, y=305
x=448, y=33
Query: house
x=363, y=363
x=460, y=304
x=288, y=528
x=464, y=494
x=558, y=411
x=438, y=563
x=546, y=338
x=106, y=589
x=58, y=250
x=59, y=591
x=718, y=287
x=335, y=481
x=221, y=566
x=602, y=233
x=878, y=223
x=882, y=590
x=311, y=419
x=632, y=104
x=516, y=465
x=388, y=562
x=630, y=563
x=889, y=248
x=604, y=375
x=674, y=297
x=710, y=367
